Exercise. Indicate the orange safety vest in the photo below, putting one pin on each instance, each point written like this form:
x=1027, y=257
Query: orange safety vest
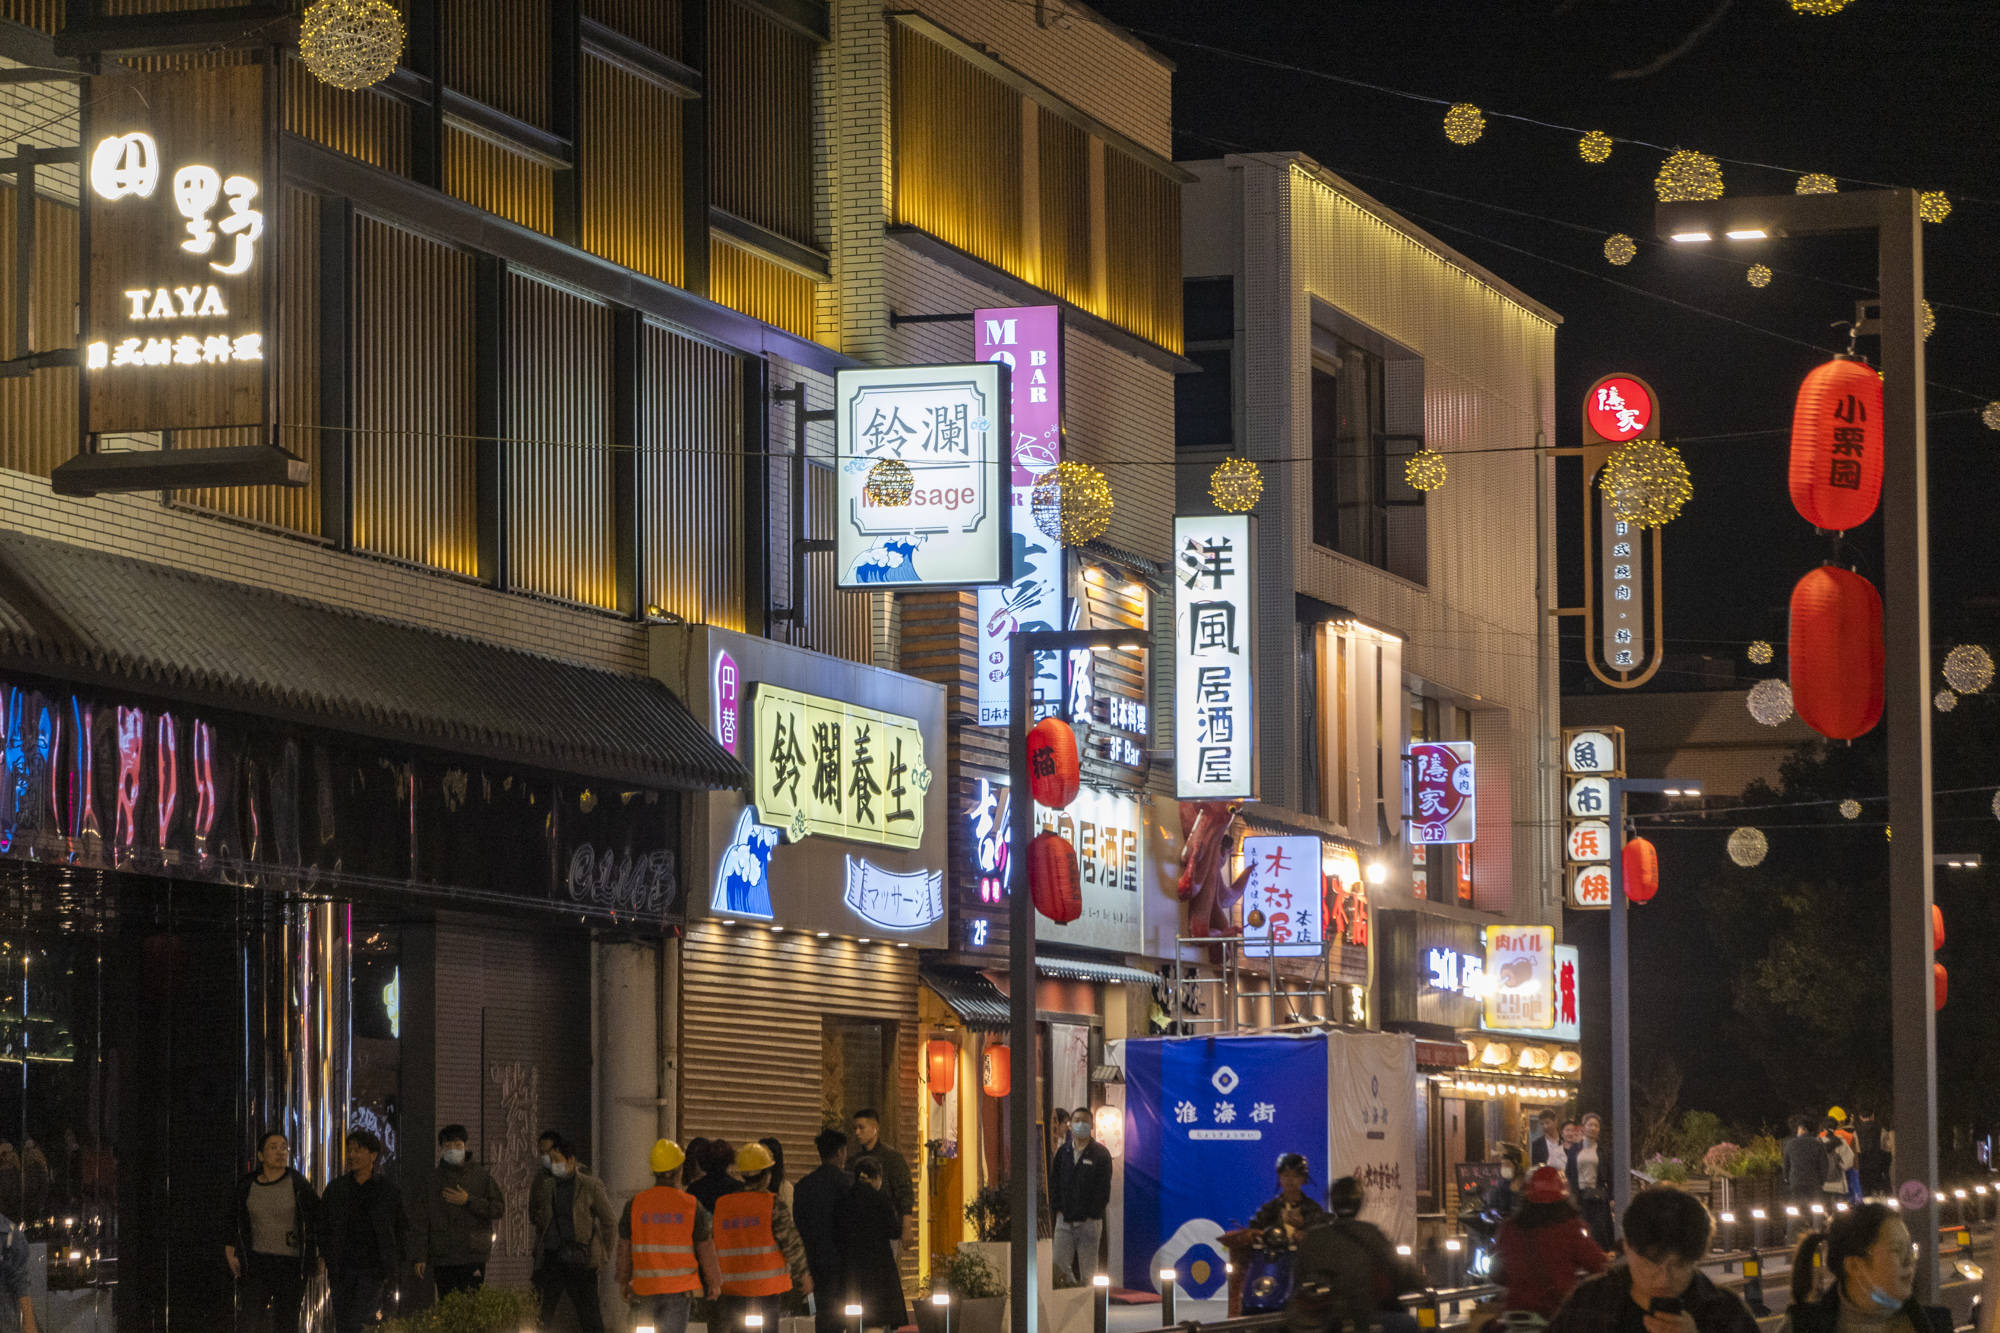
x=663, y=1242
x=747, y=1248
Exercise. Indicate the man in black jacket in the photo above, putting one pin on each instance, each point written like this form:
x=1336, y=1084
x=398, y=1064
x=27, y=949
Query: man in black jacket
x=455, y=1222
x=895, y=1169
x=814, y=1202
x=362, y=1236
x=1804, y=1160
x=1079, y=1188
x=1657, y=1288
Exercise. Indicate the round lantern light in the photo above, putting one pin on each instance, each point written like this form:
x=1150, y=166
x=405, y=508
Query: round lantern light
x=1464, y=123
x=1620, y=249
x=1850, y=809
x=1822, y=8
x=1940, y=985
x=1944, y=701
x=996, y=1072
x=1770, y=702
x=1647, y=482
x=1816, y=182
x=1424, y=469
x=1687, y=176
x=351, y=44
x=1072, y=503
x=1759, y=653
x=1968, y=668
x=1594, y=146
x=1236, y=485
x=941, y=1066
x=1748, y=847
x=1758, y=275
x=1836, y=653
x=1642, y=870
x=1989, y=416
x=890, y=483
x=1836, y=464
x=1053, y=767
x=1933, y=206
x=1937, y=928
x=1052, y=878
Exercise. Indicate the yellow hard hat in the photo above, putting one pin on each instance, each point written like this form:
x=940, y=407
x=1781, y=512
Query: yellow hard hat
x=752, y=1158
x=1835, y=1114
x=667, y=1156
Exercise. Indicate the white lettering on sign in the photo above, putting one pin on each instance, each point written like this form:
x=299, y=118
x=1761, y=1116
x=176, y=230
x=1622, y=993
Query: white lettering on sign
x=125, y=164
x=1214, y=657
x=178, y=303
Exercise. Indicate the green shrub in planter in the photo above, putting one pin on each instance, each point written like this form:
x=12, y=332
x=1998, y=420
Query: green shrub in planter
x=990, y=1213
x=488, y=1310
x=968, y=1277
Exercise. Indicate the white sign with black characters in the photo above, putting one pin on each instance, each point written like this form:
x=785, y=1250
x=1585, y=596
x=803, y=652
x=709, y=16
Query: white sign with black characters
x=1214, y=657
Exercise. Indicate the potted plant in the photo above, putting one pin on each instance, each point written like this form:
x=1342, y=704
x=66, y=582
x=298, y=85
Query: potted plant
x=488, y=1310
x=978, y=1292
x=1664, y=1170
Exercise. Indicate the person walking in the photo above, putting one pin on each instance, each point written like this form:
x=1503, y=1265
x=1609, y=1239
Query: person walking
x=1345, y=1271
x=1547, y=1149
x=573, y=1224
x=456, y=1217
x=1804, y=1159
x=362, y=1235
x=895, y=1170
x=1868, y=1255
x=1079, y=1190
x=869, y=1229
x=718, y=1162
x=666, y=1246
x=815, y=1203
x=757, y=1244
x=1544, y=1245
x=272, y=1247
x=1504, y=1195
x=1591, y=1163
x=1657, y=1288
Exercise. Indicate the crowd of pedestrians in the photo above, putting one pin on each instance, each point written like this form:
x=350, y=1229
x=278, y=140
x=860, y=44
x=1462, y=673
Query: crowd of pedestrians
x=1834, y=1162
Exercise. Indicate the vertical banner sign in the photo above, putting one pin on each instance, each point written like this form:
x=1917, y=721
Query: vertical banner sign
x=948, y=426
x=1028, y=341
x=1438, y=783
x=1592, y=756
x=1284, y=898
x=179, y=225
x=1215, y=663
x=1623, y=612
x=1372, y=1123
x=1520, y=977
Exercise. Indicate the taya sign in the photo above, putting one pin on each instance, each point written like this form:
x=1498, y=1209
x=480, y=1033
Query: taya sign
x=179, y=223
x=948, y=425
x=1214, y=657
x=1028, y=340
x=1519, y=982
x=1439, y=788
x=827, y=767
x=1592, y=758
x=1623, y=612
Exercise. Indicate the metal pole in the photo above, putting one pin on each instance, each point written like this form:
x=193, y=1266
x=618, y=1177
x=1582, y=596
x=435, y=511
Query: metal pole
x=1025, y=1166
x=1621, y=1013
x=1906, y=698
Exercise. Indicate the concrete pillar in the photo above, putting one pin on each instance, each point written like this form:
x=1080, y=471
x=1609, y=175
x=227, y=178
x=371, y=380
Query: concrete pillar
x=634, y=1095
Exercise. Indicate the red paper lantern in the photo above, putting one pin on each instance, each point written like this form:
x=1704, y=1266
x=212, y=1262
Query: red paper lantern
x=1836, y=469
x=1052, y=763
x=996, y=1072
x=941, y=1066
x=1836, y=651
x=1052, y=878
x=1940, y=983
x=1937, y=928
x=1642, y=870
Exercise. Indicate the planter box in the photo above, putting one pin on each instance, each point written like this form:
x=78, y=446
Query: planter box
x=986, y=1315
x=1067, y=1311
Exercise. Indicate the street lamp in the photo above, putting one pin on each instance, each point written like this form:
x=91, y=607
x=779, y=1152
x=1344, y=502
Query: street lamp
x=1891, y=215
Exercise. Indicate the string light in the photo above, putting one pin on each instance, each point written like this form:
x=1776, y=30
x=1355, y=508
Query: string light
x=1816, y=182
x=1968, y=668
x=1933, y=206
x=1424, y=469
x=1072, y=503
x=1821, y=8
x=1758, y=275
x=1748, y=847
x=351, y=44
x=1759, y=653
x=1235, y=485
x=1770, y=702
x=1944, y=701
x=1647, y=482
x=1620, y=249
x=1464, y=123
x=1594, y=146
x=890, y=483
x=1989, y=416
x=1688, y=175
x=1930, y=321
x=1850, y=809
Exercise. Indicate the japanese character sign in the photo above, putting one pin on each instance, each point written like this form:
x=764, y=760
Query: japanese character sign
x=1567, y=1002
x=1108, y=830
x=726, y=691
x=1590, y=752
x=1438, y=792
x=1589, y=841
x=1214, y=657
x=1590, y=886
x=1520, y=977
x=1284, y=897
x=823, y=766
x=1619, y=408
x=1589, y=798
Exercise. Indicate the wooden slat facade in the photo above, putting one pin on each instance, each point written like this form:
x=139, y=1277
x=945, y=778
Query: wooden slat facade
x=38, y=427
x=1063, y=197
x=499, y=180
x=657, y=23
x=744, y=280
x=629, y=171
x=691, y=480
x=760, y=120
x=1143, y=260
x=369, y=126
x=42, y=15
x=958, y=151
x=489, y=45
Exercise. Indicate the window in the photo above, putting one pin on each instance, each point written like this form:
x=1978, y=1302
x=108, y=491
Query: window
x=1204, y=403
x=1367, y=419
x=1350, y=723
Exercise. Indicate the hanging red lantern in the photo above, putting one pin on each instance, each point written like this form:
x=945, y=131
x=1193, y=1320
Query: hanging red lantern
x=1940, y=983
x=941, y=1066
x=1052, y=763
x=1937, y=928
x=1836, y=651
x=1836, y=468
x=1053, y=880
x=996, y=1072
x=1642, y=870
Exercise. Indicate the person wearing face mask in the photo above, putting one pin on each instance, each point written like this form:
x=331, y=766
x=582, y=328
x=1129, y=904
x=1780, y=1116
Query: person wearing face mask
x=1873, y=1264
x=575, y=1229
x=1079, y=1189
x=1501, y=1199
x=457, y=1217
x=1658, y=1288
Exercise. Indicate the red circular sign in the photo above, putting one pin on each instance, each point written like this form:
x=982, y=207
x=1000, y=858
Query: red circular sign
x=1620, y=409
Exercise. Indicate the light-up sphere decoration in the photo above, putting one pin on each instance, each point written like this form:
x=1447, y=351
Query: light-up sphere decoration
x=1748, y=847
x=351, y=44
x=890, y=483
x=1647, y=482
x=1850, y=809
x=1424, y=470
x=1821, y=8
x=1687, y=176
x=1816, y=182
x=1072, y=503
x=1989, y=416
x=1930, y=321
x=1620, y=249
x=1235, y=485
x=1944, y=701
x=1758, y=275
x=1759, y=653
x=1464, y=123
x=1933, y=206
x=1995, y=807
x=1594, y=146
x=1968, y=668
x=1770, y=701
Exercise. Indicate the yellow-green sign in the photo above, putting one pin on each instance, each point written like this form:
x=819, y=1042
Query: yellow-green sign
x=823, y=766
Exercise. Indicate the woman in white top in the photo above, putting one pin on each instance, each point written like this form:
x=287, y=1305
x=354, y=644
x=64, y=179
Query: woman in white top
x=1589, y=1162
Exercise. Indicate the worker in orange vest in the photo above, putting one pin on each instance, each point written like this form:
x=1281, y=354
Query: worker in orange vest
x=757, y=1245
x=666, y=1246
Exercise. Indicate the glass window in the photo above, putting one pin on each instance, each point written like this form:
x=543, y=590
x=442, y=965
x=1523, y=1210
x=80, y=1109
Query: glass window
x=1367, y=419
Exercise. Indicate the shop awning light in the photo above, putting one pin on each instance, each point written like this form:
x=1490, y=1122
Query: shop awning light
x=1747, y=234
x=777, y=930
x=1686, y=236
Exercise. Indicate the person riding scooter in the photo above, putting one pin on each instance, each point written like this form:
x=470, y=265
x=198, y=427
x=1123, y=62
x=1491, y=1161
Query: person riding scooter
x=1347, y=1274
x=1544, y=1245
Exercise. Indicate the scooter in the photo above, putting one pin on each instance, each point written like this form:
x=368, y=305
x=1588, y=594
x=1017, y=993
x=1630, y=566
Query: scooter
x=1268, y=1271
x=1482, y=1233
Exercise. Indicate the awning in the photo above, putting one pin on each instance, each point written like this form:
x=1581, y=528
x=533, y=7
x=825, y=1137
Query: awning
x=970, y=994
x=104, y=620
x=1441, y=1054
x=1077, y=969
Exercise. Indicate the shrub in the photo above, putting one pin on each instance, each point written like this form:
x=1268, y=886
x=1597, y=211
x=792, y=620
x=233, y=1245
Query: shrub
x=1699, y=1131
x=970, y=1278
x=990, y=1213
x=1666, y=1170
x=1763, y=1157
x=1725, y=1159
x=488, y=1310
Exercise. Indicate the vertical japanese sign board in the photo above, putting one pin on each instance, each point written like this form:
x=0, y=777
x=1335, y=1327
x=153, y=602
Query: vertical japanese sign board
x=1215, y=665
x=1438, y=792
x=1623, y=611
x=1520, y=978
x=1592, y=756
x=1284, y=898
x=1028, y=341
x=180, y=220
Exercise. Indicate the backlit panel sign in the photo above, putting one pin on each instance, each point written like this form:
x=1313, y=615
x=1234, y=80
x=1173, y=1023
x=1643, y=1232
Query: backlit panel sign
x=1214, y=657
x=1439, y=786
x=827, y=767
x=1568, y=999
x=1622, y=608
x=1519, y=981
x=1284, y=900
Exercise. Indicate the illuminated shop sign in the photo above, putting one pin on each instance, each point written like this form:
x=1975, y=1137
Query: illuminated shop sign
x=1567, y=1001
x=1439, y=792
x=1283, y=897
x=1214, y=657
x=827, y=767
x=990, y=836
x=1519, y=976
